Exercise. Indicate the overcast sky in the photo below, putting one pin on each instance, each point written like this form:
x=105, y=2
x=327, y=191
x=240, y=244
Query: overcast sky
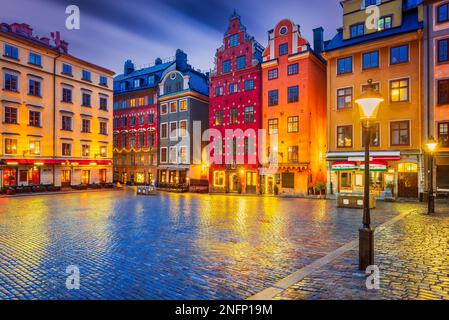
x=142, y=30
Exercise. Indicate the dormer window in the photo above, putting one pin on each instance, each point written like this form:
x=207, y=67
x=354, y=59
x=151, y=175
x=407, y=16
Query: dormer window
x=137, y=83
x=234, y=40
x=371, y=3
x=385, y=23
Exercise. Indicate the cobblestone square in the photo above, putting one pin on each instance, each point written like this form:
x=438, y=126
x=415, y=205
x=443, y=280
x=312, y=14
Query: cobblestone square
x=202, y=247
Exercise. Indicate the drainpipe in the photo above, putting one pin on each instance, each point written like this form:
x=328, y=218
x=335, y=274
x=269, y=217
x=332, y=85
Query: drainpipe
x=54, y=116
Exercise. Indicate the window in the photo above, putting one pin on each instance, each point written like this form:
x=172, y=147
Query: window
x=233, y=88
x=293, y=124
x=273, y=126
x=443, y=92
x=103, y=128
x=283, y=49
x=66, y=123
x=182, y=105
x=124, y=140
x=103, y=81
x=86, y=100
x=249, y=85
x=34, y=118
x=344, y=98
x=376, y=86
x=292, y=69
x=164, y=155
x=151, y=139
x=272, y=74
x=273, y=98
x=140, y=139
x=400, y=133
x=66, y=95
x=141, y=120
x=66, y=149
x=399, y=90
x=346, y=180
x=10, y=115
x=85, y=125
x=173, y=107
x=219, y=178
x=442, y=50
x=344, y=65
x=132, y=102
x=173, y=155
x=67, y=69
x=443, y=134
x=103, y=103
x=124, y=104
x=11, y=82
x=164, y=108
x=151, y=119
x=399, y=54
x=249, y=114
x=241, y=62
x=370, y=60
x=293, y=154
x=375, y=136
x=233, y=115
x=293, y=94
x=132, y=121
x=218, y=117
x=11, y=52
x=124, y=122
x=344, y=136
x=132, y=140
x=443, y=13
x=10, y=146
x=173, y=129
x=137, y=83
x=115, y=141
x=34, y=88
x=86, y=75
x=183, y=155
x=85, y=150
x=35, y=147
x=385, y=23
x=357, y=30
x=35, y=59
x=226, y=66
x=164, y=130
x=234, y=40
x=183, y=128
x=288, y=180
x=219, y=91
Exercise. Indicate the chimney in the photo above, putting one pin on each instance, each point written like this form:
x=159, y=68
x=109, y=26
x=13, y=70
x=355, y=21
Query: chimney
x=45, y=40
x=22, y=28
x=181, y=60
x=318, y=40
x=129, y=67
x=158, y=61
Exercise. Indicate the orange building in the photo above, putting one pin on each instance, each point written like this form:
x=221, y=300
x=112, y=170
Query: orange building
x=294, y=110
x=436, y=89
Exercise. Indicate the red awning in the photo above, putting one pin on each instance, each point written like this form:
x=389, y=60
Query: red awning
x=375, y=165
x=33, y=162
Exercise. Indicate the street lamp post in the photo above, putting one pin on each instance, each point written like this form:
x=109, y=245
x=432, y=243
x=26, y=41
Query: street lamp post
x=431, y=146
x=368, y=103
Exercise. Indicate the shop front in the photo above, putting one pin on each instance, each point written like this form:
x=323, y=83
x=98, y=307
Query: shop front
x=390, y=175
x=236, y=180
x=442, y=172
x=173, y=177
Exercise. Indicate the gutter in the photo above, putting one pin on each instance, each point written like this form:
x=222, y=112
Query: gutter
x=54, y=115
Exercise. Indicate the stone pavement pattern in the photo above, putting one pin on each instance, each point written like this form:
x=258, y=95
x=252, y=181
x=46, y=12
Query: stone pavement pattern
x=413, y=258
x=165, y=247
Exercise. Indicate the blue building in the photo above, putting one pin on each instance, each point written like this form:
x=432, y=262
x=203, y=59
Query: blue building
x=183, y=103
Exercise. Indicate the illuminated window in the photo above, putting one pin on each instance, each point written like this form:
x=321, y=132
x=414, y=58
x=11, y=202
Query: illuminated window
x=293, y=154
x=443, y=134
x=272, y=126
x=218, y=117
x=249, y=114
x=375, y=136
x=344, y=98
x=85, y=177
x=233, y=115
x=183, y=105
x=293, y=124
x=183, y=155
x=173, y=107
x=164, y=108
x=399, y=90
x=183, y=128
x=66, y=149
x=85, y=150
x=407, y=167
x=35, y=147
x=103, y=151
x=11, y=146
x=344, y=136
x=164, y=130
x=385, y=23
x=219, y=178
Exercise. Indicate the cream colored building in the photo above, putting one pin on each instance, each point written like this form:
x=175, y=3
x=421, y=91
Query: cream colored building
x=56, y=113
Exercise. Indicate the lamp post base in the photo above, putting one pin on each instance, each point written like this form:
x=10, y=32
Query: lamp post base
x=366, y=248
x=431, y=207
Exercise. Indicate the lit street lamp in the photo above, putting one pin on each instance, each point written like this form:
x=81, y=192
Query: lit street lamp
x=368, y=103
x=432, y=144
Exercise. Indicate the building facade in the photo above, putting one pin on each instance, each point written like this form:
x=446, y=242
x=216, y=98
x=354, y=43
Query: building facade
x=136, y=133
x=388, y=51
x=56, y=112
x=183, y=117
x=236, y=106
x=436, y=86
x=294, y=110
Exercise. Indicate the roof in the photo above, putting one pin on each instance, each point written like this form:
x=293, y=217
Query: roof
x=410, y=23
x=145, y=71
x=198, y=82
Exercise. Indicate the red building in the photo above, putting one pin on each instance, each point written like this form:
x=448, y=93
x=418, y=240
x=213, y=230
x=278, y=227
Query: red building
x=235, y=103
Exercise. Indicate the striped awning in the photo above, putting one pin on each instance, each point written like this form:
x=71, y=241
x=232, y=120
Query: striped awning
x=343, y=166
x=378, y=166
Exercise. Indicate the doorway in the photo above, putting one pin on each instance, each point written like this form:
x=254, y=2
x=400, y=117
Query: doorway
x=66, y=178
x=408, y=180
x=234, y=185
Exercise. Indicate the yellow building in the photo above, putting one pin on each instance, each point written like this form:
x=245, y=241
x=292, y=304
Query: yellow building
x=386, y=48
x=56, y=113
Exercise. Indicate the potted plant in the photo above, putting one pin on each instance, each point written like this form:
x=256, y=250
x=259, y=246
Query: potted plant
x=320, y=189
x=10, y=191
x=276, y=190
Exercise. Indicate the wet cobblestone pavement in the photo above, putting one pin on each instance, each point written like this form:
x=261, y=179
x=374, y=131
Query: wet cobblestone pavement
x=412, y=256
x=170, y=246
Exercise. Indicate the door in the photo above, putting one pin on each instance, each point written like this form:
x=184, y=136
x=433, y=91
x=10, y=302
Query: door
x=408, y=180
x=251, y=182
x=66, y=178
x=270, y=184
x=407, y=185
x=234, y=182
